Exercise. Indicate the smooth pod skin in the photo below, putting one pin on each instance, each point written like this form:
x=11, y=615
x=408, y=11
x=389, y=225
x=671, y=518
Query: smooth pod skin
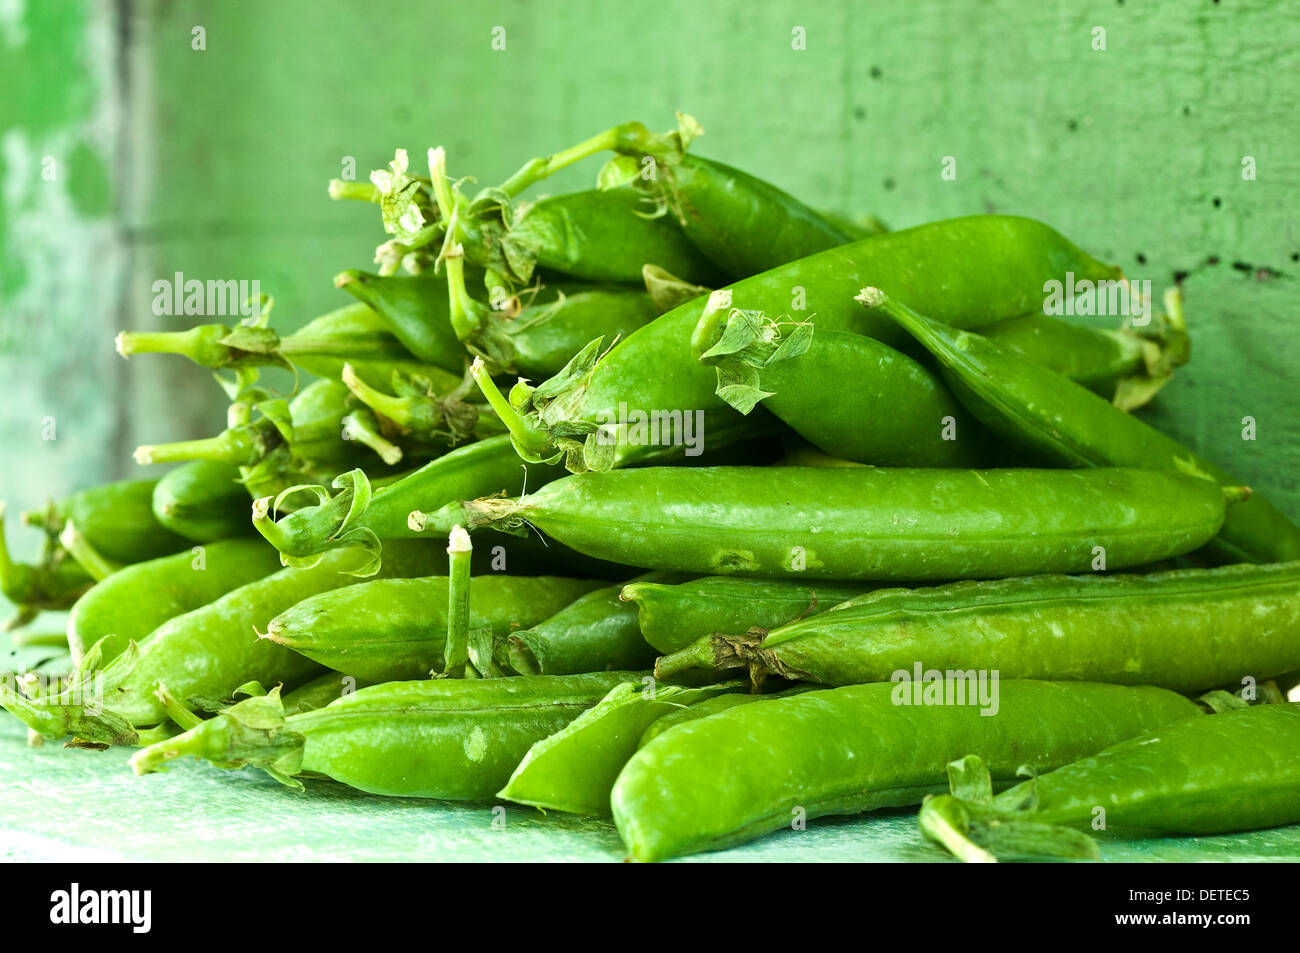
x=861, y=400
x=1064, y=424
x=455, y=739
x=1235, y=771
x=415, y=309
x=204, y=655
x=203, y=501
x=671, y=617
x=607, y=236
x=942, y=267
x=868, y=523
x=1095, y=358
x=549, y=332
x=597, y=632
x=478, y=469
x=321, y=691
x=1187, y=630
x=574, y=769
x=395, y=629
x=707, y=708
x=137, y=599
x=744, y=224
x=445, y=738
x=726, y=779
x=117, y=521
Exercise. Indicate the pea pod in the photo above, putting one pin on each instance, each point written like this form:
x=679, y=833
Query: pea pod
x=202, y=656
x=455, y=739
x=892, y=411
x=136, y=600
x=708, y=707
x=310, y=427
x=603, y=236
x=1188, y=630
x=864, y=523
x=202, y=500
x=353, y=333
x=1127, y=367
x=415, y=309
x=584, y=412
x=352, y=517
x=743, y=224
x=726, y=779
x=395, y=629
x=558, y=322
x=574, y=769
x=319, y=692
x=1234, y=771
x=596, y=632
x=116, y=520
x=1066, y=425
x=671, y=617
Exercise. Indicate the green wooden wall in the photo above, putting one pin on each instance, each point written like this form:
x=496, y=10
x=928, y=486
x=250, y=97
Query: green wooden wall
x=1125, y=125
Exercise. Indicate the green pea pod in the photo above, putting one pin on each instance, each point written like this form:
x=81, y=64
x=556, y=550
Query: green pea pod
x=597, y=632
x=893, y=411
x=415, y=309
x=354, y=517
x=707, y=708
x=116, y=520
x=726, y=779
x=455, y=739
x=743, y=224
x=587, y=412
x=320, y=692
x=395, y=629
x=1234, y=771
x=1066, y=425
x=865, y=523
x=671, y=617
x=136, y=600
x=203, y=500
x=574, y=769
x=1189, y=630
x=606, y=236
x=354, y=333
x=202, y=656
x=542, y=339
x=310, y=427
x=1126, y=367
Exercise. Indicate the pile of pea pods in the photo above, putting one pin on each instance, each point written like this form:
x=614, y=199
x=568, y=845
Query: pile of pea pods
x=681, y=503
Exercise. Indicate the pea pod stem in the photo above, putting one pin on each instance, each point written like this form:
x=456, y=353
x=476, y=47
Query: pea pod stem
x=467, y=315
x=456, y=652
x=357, y=191
x=625, y=137
x=238, y=446
x=531, y=441
x=944, y=819
x=365, y=431
x=88, y=558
